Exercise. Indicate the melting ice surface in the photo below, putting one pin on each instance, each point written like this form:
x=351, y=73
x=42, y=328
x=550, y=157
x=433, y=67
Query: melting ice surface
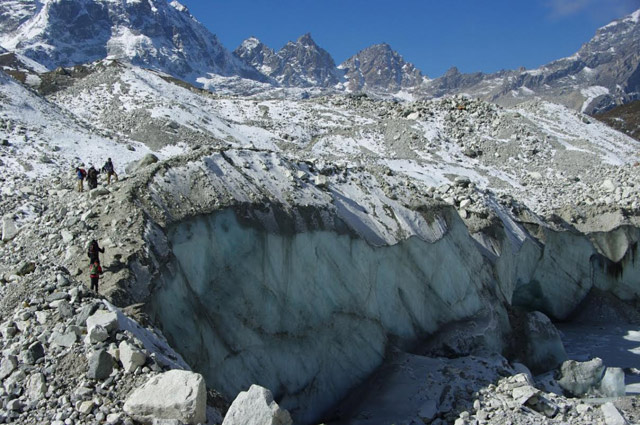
x=311, y=314
x=308, y=315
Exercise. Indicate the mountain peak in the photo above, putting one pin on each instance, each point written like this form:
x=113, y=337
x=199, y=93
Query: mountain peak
x=452, y=71
x=306, y=40
x=380, y=68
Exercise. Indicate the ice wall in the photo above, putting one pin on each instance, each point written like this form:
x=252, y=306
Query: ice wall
x=310, y=314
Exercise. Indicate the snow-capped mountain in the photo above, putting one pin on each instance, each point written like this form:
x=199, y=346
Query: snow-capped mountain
x=298, y=64
x=258, y=55
x=380, y=68
x=153, y=34
x=603, y=73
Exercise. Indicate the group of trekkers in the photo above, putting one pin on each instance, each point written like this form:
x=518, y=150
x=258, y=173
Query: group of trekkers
x=91, y=175
x=94, y=250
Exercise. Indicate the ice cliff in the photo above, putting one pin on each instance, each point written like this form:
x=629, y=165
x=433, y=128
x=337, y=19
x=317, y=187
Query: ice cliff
x=302, y=285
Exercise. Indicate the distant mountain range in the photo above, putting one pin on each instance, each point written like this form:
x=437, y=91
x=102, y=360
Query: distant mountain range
x=166, y=37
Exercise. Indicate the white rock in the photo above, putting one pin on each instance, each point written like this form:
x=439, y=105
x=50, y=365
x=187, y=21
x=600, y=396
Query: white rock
x=36, y=386
x=608, y=186
x=42, y=317
x=320, y=180
x=87, y=215
x=85, y=407
x=256, y=407
x=113, y=418
x=611, y=415
x=106, y=319
x=522, y=394
x=63, y=340
x=130, y=356
x=9, y=229
x=97, y=333
x=580, y=378
x=465, y=203
x=67, y=236
x=535, y=175
x=176, y=394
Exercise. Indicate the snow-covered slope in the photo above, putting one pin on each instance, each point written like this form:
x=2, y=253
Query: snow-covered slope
x=42, y=139
x=531, y=152
x=153, y=34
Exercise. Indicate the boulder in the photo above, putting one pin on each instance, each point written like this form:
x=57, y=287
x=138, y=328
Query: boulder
x=106, y=319
x=7, y=365
x=321, y=181
x=9, y=229
x=85, y=312
x=146, y=160
x=176, y=394
x=581, y=378
x=130, y=356
x=96, y=193
x=64, y=340
x=608, y=186
x=26, y=268
x=256, y=407
x=97, y=334
x=34, y=353
x=64, y=309
x=100, y=365
x=67, y=236
x=612, y=415
x=36, y=386
x=544, y=348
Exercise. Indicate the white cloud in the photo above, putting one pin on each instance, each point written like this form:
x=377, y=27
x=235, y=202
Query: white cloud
x=597, y=8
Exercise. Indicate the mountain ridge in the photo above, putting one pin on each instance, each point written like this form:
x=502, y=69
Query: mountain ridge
x=164, y=36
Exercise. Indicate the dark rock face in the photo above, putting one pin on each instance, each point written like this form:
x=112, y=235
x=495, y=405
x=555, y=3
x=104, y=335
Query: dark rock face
x=298, y=64
x=380, y=68
x=624, y=118
x=153, y=34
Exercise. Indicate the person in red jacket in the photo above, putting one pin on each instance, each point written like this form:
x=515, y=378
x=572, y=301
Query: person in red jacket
x=94, y=273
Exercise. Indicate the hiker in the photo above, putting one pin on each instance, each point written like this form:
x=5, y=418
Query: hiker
x=80, y=175
x=94, y=273
x=110, y=170
x=92, y=177
x=94, y=252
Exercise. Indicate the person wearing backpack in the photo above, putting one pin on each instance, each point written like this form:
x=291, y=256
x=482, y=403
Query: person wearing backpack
x=80, y=175
x=94, y=273
x=92, y=177
x=110, y=170
x=93, y=252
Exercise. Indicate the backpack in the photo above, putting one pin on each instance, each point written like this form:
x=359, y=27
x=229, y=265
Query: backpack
x=93, y=249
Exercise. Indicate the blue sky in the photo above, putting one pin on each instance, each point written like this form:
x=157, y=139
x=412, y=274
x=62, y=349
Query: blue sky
x=433, y=35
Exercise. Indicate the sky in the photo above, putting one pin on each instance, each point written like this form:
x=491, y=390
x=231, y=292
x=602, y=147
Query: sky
x=433, y=35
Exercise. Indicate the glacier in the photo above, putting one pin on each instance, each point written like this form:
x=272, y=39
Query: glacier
x=311, y=314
